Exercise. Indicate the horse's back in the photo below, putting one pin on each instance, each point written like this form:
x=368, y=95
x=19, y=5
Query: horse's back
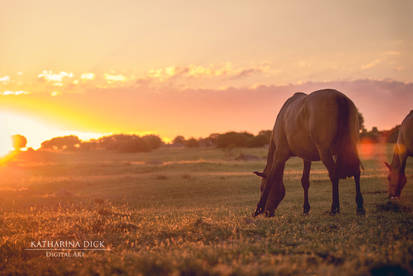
x=310, y=122
x=406, y=133
x=325, y=108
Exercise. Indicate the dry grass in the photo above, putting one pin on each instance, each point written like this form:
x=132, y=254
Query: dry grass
x=194, y=218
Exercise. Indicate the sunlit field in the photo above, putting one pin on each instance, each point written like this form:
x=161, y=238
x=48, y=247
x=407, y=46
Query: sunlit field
x=187, y=211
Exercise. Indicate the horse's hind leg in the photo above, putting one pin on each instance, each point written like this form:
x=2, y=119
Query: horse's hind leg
x=328, y=161
x=359, y=197
x=305, y=182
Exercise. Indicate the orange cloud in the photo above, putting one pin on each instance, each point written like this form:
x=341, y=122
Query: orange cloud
x=111, y=78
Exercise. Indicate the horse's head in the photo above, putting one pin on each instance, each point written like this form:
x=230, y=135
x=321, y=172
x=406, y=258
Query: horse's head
x=396, y=181
x=270, y=196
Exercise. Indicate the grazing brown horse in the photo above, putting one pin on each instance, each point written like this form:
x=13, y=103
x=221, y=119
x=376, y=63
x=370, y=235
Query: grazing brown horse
x=320, y=126
x=402, y=149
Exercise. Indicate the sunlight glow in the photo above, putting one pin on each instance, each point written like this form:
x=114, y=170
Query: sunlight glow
x=36, y=131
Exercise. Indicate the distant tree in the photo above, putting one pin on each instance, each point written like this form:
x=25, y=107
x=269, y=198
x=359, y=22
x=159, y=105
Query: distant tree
x=179, y=140
x=361, y=123
x=234, y=139
x=153, y=141
x=373, y=135
x=263, y=138
x=19, y=142
x=64, y=143
x=192, y=143
x=90, y=145
x=208, y=141
x=124, y=143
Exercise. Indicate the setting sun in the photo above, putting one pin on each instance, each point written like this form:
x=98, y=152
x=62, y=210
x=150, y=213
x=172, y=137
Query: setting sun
x=35, y=130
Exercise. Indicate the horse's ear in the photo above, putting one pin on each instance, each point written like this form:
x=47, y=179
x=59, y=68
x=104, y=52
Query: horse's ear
x=260, y=174
x=387, y=165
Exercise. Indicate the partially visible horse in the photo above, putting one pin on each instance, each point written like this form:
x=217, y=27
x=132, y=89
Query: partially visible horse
x=402, y=150
x=320, y=126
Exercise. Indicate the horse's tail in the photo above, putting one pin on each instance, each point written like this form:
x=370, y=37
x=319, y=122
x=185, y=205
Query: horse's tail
x=348, y=162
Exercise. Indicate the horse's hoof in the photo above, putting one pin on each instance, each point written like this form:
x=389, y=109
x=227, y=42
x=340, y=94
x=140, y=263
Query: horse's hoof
x=269, y=214
x=333, y=212
x=361, y=212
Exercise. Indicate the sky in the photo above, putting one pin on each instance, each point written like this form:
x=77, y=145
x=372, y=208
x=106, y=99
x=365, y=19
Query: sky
x=195, y=67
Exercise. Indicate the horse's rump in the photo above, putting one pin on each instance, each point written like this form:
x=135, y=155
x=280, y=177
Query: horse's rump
x=347, y=162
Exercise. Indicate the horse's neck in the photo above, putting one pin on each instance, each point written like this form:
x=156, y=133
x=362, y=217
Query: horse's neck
x=399, y=160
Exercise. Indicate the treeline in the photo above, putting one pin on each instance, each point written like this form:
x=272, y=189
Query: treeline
x=230, y=139
x=134, y=143
x=117, y=142
x=380, y=136
x=129, y=143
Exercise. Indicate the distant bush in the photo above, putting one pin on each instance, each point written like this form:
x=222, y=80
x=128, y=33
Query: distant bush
x=376, y=136
x=19, y=142
x=226, y=140
x=153, y=141
x=64, y=143
x=129, y=143
x=234, y=139
x=179, y=140
x=116, y=142
x=192, y=143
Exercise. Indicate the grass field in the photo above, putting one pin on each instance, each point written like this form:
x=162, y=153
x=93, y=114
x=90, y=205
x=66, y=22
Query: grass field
x=188, y=212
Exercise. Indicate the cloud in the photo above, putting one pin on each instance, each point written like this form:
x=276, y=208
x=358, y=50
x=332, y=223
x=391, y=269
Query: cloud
x=4, y=79
x=192, y=71
x=392, y=53
x=14, y=93
x=87, y=76
x=114, y=78
x=371, y=64
x=48, y=75
x=384, y=57
x=246, y=73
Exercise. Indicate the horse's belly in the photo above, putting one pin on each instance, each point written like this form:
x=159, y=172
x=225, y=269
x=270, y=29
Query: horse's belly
x=304, y=149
